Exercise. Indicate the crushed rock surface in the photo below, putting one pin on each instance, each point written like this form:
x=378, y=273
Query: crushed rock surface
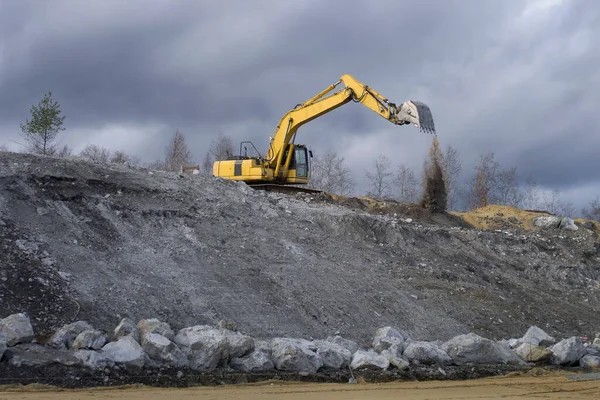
x=81, y=241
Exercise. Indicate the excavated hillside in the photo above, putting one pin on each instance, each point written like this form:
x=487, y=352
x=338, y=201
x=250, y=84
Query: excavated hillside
x=96, y=242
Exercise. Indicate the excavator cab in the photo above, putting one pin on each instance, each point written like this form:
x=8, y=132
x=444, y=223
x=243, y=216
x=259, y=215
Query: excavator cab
x=299, y=170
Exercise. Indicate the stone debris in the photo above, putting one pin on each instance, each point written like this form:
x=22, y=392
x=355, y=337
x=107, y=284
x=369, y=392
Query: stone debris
x=204, y=348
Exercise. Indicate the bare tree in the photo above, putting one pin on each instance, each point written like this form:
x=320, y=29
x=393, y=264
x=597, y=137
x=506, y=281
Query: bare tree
x=65, y=152
x=158, y=165
x=435, y=197
x=406, y=183
x=593, y=210
x=330, y=174
x=530, y=195
x=207, y=164
x=509, y=192
x=452, y=167
x=95, y=153
x=177, y=153
x=3, y=147
x=220, y=149
x=379, y=179
x=553, y=204
x=483, y=183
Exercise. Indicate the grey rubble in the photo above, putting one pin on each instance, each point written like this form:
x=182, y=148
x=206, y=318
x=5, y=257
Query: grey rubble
x=80, y=241
x=204, y=348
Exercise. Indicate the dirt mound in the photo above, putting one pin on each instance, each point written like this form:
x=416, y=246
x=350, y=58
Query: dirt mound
x=103, y=242
x=500, y=217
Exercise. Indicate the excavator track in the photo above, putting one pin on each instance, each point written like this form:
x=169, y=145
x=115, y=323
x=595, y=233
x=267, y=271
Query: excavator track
x=286, y=189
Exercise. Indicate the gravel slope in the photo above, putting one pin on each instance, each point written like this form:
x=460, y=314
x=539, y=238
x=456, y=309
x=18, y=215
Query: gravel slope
x=85, y=241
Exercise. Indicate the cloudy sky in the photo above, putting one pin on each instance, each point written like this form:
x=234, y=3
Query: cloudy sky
x=519, y=78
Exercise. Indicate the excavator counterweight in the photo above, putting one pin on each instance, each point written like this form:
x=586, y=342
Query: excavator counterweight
x=287, y=163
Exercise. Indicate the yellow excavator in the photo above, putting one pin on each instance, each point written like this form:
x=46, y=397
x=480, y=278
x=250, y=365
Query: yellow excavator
x=286, y=164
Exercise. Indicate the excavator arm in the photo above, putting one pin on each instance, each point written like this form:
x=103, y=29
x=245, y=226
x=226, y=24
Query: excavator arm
x=409, y=112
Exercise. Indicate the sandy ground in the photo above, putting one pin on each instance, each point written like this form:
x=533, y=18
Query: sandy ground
x=557, y=386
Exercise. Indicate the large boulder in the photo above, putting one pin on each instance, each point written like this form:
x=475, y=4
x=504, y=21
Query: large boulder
x=3, y=343
x=159, y=348
x=298, y=355
x=387, y=337
x=35, y=355
x=426, y=353
x=65, y=336
x=537, y=337
x=568, y=351
x=589, y=361
x=259, y=360
x=204, y=344
x=547, y=221
x=333, y=355
x=568, y=224
x=532, y=353
x=125, y=351
x=348, y=344
x=126, y=328
x=369, y=359
x=153, y=325
x=474, y=349
x=17, y=328
x=596, y=343
x=90, y=339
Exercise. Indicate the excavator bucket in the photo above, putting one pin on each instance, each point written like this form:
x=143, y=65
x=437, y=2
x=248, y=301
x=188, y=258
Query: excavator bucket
x=418, y=114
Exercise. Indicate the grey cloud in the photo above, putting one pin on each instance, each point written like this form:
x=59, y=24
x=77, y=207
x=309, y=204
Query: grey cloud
x=495, y=80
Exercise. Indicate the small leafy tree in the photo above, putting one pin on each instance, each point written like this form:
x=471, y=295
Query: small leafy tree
x=45, y=124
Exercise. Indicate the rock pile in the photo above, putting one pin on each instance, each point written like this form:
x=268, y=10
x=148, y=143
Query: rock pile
x=152, y=343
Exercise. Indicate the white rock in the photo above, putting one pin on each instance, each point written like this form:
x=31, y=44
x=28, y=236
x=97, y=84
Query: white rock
x=229, y=344
x=387, y=337
x=568, y=351
x=333, y=355
x=589, y=361
x=596, y=343
x=127, y=328
x=426, y=353
x=17, y=328
x=126, y=351
x=153, y=325
x=3, y=345
x=474, y=349
x=532, y=353
x=568, y=224
x=369, y=359
x=395, y=358
x=547, y=221
x=257, y=361
x=537, y=337
x=159, y=348
x=90, y=339
x=64, y=337
x=298, y=355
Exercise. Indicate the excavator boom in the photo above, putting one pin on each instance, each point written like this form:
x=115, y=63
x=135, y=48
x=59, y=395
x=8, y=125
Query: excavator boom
x=287, y=163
